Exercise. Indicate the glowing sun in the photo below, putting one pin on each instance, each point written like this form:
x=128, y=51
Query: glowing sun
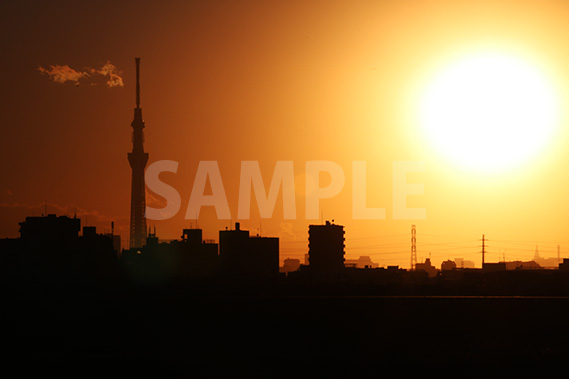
x=489, y=111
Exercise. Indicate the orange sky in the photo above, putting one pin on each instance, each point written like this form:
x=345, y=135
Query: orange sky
x=267, y=81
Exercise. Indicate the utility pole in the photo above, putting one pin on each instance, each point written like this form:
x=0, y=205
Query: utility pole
x=483, y=249
x=413, y=247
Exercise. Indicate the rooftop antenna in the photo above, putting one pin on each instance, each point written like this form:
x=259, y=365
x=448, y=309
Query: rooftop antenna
x=45, y=204
x=559, y=253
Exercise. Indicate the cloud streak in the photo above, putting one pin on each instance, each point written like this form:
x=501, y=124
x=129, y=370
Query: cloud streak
x=87, y=216
x=64, y=73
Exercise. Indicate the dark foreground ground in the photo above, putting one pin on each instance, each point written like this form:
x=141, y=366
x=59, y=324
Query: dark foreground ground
x=269, y=336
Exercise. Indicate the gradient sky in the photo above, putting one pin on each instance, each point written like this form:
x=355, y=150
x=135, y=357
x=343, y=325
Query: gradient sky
x=267, y=81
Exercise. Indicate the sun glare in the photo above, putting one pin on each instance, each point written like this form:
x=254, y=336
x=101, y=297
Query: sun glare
x=490, y=112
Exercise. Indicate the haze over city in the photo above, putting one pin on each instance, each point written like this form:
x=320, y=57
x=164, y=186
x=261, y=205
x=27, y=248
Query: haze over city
x=295, y=81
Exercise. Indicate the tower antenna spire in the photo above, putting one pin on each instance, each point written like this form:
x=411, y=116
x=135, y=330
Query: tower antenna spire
x=137, y=60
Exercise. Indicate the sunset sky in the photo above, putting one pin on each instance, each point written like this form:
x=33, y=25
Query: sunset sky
x=269, y=81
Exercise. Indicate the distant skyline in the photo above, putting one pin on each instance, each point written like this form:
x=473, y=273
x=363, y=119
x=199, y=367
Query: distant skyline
x=276, y=81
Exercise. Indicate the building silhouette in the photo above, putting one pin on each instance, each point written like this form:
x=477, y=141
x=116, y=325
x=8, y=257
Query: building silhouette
x=117, y=242
x=199, y=256
x=363, y=261
x=546, y=262
x=177, y=261
x=97, y=254
x=50, y=250
x=448, y=265
x=56, y=250
x=427, y=267
x=523, y=265
x=137, y=159
x=248, y=257
x=45, y=230
x=326, y=248
x=511, y=265
x=463, y=263
x=564, y=266
x=238, y=258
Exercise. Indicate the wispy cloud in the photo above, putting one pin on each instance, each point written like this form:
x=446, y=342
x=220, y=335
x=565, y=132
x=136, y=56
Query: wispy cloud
x=64, y=73
x=110, y=71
